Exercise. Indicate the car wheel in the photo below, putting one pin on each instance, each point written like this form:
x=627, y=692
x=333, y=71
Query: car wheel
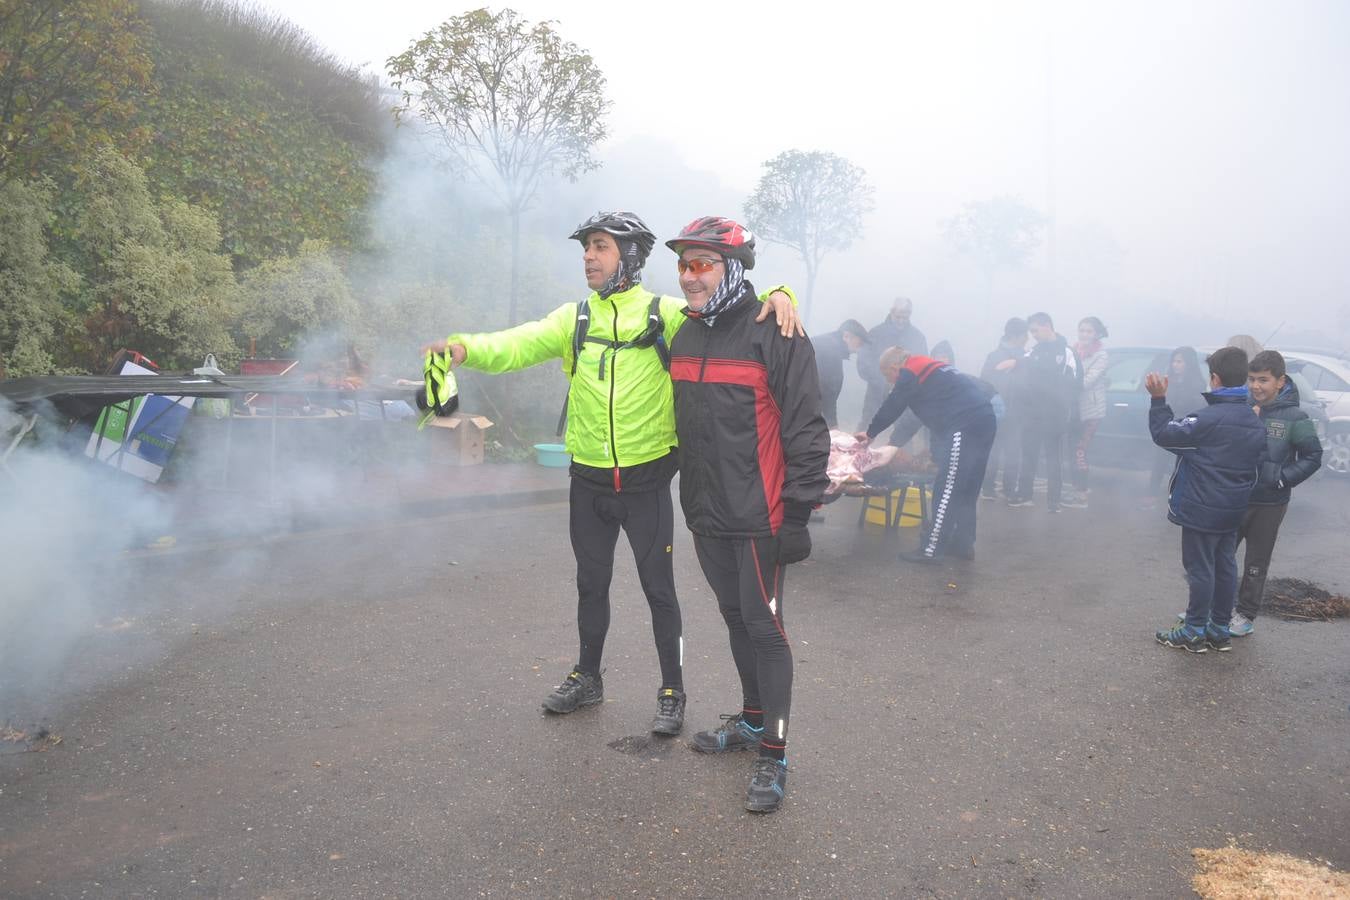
x=1336, y=454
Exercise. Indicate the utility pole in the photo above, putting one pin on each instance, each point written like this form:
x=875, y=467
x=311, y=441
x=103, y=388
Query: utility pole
x=1050, y=260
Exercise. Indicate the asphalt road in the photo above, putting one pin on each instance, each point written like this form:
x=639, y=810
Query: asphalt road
x=355, y=713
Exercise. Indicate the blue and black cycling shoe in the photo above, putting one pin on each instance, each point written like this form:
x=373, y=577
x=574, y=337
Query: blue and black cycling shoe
x=733, y=734
x=768, y=784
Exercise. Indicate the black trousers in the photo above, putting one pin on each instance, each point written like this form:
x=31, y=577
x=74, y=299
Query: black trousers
x=1260, y=527
x=1006, y=457
x=748, y=581
x=961, y=458
x=1038, y=438
x=647, y=517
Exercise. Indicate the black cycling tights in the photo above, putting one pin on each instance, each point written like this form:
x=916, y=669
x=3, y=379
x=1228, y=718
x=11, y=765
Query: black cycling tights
x=647, y=517
x=745, y=575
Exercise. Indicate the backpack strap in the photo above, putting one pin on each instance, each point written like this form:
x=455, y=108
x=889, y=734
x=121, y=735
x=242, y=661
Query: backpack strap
x=579, y=329
x=653, y=336
x=657, y=329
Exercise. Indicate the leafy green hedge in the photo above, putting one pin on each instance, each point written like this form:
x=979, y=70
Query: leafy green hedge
x=277, y=152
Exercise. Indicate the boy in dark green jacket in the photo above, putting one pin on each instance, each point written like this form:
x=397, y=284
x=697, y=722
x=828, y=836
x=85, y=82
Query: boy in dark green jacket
x=1293, y=454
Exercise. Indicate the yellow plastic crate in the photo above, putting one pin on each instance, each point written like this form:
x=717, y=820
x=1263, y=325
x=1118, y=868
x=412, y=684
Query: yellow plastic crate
x=876, y=508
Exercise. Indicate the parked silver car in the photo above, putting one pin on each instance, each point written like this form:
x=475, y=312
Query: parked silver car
x=1122, y=438
x=1329, y=376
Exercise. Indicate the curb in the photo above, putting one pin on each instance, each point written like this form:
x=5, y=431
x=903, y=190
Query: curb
x=262, y=521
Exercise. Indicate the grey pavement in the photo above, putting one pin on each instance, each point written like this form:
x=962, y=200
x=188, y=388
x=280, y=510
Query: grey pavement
x=352, y=710
x=354, y=494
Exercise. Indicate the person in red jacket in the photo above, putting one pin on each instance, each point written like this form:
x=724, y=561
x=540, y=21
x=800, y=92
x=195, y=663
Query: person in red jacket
x=753, y=451
x=960, y=418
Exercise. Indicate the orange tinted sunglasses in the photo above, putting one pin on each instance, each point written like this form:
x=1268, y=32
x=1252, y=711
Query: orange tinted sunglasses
x=699, y=265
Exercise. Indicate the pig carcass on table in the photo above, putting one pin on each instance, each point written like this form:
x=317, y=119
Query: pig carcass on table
x=850, y=460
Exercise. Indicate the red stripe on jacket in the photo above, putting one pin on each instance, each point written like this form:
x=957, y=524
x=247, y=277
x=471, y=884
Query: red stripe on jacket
x=768, y=418
x=923, y=366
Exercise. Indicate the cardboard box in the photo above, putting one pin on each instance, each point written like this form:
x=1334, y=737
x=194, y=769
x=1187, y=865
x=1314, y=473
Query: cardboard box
x=458, y=439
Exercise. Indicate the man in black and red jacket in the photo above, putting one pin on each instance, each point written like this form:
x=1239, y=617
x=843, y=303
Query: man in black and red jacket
x=960, y=418
x=753, y=452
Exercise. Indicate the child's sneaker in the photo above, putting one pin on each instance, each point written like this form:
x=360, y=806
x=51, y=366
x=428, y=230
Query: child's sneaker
x=1184, y=637
x=1217, y=638
x=1241, y=626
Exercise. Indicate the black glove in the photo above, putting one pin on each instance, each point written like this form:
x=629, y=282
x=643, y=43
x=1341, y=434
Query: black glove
x=794, y=540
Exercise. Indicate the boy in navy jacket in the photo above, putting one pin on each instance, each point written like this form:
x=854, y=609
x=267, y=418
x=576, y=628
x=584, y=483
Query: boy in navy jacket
x=1219, y=449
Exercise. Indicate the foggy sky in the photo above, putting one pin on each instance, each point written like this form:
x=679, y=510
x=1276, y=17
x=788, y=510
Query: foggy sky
x=1197, y=148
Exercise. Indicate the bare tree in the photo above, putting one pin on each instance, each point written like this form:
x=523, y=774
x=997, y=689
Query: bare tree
x=1001, y=233
x=513, y=103
x=813, y=202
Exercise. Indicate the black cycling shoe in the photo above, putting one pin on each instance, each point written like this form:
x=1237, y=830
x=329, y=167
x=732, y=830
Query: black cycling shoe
x=733, y=734
x=768, y=783
x=669, y=712
x=577, y=690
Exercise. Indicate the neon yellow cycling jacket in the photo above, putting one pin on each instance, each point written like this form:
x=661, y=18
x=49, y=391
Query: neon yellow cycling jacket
x=619, y=414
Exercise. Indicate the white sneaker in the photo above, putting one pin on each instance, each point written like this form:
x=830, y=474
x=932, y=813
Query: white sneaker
x=1241, y=626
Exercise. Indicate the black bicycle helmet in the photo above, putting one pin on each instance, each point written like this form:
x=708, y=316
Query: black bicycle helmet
x=624, y=226
x=728, y=238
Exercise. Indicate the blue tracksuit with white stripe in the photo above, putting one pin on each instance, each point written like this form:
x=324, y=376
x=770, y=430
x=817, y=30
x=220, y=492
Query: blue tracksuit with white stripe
x=960, y=419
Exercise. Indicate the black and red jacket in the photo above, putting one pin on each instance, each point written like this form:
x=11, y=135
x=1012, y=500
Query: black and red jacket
x=944, y=399
x=753, y=442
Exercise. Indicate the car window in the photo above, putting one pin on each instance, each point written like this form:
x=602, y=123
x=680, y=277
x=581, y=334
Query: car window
x=1333, y=382
x=1125, y=369
x=1321, y=378
x=1307, y=392
x=1313, y=372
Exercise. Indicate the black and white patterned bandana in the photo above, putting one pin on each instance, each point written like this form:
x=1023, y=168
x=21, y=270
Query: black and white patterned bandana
x=731, y=288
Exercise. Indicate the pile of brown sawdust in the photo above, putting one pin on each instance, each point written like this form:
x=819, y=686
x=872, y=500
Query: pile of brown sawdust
x=1294, y=598
x=1234, y=874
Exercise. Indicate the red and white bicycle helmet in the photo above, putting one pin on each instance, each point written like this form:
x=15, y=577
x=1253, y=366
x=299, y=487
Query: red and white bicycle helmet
x=731, y=239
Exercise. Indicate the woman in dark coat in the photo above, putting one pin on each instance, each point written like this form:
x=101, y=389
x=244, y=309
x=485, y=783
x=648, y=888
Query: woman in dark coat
x=1187, y=381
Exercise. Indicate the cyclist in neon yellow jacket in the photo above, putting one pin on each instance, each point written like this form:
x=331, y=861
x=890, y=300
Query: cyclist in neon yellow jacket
x=621, y=434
